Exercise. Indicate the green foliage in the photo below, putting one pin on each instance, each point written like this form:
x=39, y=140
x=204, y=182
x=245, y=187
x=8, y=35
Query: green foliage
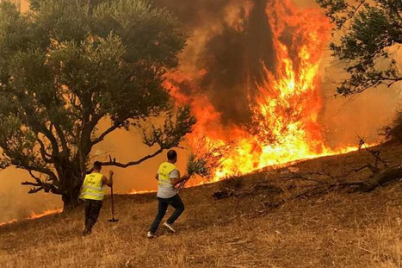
x=206, y=158
x=368, y=30
x=69, y=64
x=393, y=132
x=172, y=131
x=198, y=166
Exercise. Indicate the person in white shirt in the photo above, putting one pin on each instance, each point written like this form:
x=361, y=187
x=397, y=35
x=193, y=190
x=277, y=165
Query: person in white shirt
x=168, y=177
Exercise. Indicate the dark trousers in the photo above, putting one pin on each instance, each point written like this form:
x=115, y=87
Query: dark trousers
x=163, y=204
x=92, y=209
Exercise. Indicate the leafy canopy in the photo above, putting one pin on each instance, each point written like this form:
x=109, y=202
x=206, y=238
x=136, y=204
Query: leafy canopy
x=370, y=32
x=69, y=65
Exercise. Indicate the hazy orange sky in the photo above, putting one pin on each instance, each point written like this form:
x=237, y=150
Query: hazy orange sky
x=344, y=120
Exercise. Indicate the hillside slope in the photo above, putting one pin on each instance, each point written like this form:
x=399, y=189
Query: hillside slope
x=335, y=229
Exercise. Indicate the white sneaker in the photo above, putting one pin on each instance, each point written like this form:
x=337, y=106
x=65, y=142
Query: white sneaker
x=170, y=228
x=150, y=235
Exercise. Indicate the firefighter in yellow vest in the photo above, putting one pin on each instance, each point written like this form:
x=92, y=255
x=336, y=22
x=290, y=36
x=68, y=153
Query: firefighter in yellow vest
x=93, y=191
x=168, y=177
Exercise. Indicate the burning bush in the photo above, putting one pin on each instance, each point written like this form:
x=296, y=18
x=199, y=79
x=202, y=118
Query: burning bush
x=206, y=158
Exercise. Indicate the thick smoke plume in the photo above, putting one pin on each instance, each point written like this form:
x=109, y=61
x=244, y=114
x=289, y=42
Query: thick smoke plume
x=230, y=41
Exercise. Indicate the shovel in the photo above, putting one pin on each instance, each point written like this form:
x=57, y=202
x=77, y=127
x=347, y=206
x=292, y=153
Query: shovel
x=112, y=219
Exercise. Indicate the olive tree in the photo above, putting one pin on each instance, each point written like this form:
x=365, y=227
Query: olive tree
x=68, y=65
x=367, y=33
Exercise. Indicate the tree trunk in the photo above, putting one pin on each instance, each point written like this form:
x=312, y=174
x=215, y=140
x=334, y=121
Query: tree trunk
x=71, y=199
x=71, y=186
x=384, y=176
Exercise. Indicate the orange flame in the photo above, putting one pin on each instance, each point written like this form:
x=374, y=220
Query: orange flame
x=8, y=222
x=141, y=191
x=35, y=216
x=45, y=213
x=285, y=111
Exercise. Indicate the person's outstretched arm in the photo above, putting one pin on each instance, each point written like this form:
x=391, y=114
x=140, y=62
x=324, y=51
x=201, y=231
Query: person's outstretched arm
x=179, y=178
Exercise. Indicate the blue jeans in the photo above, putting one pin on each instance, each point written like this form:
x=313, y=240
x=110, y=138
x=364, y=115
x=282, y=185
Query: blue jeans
x=163, y=204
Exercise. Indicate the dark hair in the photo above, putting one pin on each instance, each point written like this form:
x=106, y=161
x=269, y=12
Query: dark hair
x=171, y=155
x=97, y=165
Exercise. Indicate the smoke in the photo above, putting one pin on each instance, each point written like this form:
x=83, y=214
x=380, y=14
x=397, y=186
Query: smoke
x=364, y=114
x=344, y=119
x=229, y=43
x=15, y=203
x=231, y=52
x=230, y=40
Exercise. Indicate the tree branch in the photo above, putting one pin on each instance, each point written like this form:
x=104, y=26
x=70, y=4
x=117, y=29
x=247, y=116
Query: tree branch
x=62, y=138
x=47, y=187
x=45, y=156
x=37, y=179
x=107, y=132
x=40, y=128
x=31, y=183
x=112, y=162
x=35, y=190
x=40, y=170
x=392, y=81
x=351, y=15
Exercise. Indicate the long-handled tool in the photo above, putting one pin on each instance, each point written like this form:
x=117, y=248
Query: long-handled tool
x=112, y=219
x=181, y=185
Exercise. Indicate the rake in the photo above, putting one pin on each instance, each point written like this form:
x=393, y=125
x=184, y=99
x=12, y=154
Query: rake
x=113, y=219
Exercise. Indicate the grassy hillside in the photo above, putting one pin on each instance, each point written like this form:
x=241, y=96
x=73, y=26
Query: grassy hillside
x=335, y=229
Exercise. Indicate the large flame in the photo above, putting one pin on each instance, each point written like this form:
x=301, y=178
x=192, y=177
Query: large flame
x=286, y=108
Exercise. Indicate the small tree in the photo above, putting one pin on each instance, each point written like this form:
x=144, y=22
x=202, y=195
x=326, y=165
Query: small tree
x=393, y=132
x=70, y=64
x=368, y=30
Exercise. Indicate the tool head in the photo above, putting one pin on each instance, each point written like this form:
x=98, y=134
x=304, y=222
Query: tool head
x=113, y=220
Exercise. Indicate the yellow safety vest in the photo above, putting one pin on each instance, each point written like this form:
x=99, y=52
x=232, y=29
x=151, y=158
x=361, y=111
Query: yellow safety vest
x=164, y=175
x=93, y=187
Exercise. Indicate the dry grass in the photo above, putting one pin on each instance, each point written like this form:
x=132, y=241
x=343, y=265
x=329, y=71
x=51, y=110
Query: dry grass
x=338, y=229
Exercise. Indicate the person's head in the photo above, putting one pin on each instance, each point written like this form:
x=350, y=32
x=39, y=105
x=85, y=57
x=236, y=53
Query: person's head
x=172, y=156
x=97, y=166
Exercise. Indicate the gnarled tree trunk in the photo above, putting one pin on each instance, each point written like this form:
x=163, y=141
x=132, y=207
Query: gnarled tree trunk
x=70, y=199
x=70, y=185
